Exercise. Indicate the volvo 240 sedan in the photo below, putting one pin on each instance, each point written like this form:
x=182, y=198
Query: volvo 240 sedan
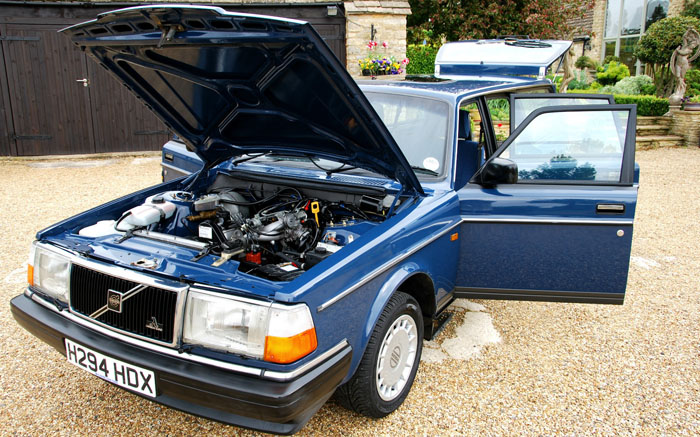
x=330, y=224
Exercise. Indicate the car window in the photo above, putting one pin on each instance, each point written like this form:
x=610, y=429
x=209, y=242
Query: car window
x=522, y=107
x=573, y=146
x=499, y=110
x=419, y=126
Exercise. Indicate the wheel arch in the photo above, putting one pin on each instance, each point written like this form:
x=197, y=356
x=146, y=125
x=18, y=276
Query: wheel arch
x=412, y=280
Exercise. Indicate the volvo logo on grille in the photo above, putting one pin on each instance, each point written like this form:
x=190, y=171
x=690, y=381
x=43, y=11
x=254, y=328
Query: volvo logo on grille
x=114, y=300
x=153, y=324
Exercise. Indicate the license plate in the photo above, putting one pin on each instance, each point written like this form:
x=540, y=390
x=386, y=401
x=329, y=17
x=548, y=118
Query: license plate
x=118, y=372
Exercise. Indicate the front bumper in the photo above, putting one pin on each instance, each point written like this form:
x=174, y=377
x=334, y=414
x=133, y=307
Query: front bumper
x=204, y=390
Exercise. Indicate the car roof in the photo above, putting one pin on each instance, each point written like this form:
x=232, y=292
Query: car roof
x=450, y=90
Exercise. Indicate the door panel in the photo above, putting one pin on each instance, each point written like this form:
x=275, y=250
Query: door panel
x=554, y=236
x=51, y=111
x=121, y=122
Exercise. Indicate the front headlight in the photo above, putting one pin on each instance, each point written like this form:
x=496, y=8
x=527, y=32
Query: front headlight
x=274, y=332
x=49, y=272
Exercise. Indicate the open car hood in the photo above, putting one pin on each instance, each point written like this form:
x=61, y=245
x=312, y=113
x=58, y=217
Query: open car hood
x=230, y=84
x=498, y=57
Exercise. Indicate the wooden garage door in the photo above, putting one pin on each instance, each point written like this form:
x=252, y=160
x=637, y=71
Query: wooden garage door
x=45, y=107
x=48, y=107
x=58, y=102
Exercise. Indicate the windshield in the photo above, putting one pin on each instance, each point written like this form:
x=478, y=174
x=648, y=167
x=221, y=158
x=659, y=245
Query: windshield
x=419, y=126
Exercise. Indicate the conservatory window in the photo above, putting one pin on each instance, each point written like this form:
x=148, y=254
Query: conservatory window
x=625, y=22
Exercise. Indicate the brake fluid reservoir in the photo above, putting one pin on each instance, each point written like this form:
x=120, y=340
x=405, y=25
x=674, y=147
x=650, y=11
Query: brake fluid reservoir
x=155, y=209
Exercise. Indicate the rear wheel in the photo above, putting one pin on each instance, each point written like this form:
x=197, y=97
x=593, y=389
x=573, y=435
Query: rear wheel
x=388, y=367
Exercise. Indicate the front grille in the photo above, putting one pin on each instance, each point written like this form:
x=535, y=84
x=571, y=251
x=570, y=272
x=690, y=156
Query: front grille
x=151, y=306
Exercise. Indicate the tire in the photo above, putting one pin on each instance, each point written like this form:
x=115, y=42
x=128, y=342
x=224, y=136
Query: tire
x=388, y=367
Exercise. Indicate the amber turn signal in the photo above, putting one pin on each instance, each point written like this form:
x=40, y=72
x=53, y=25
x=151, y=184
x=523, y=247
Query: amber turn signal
x=285, y=350
x=30, y=274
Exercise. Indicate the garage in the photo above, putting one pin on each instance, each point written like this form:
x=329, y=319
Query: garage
x=56, y=101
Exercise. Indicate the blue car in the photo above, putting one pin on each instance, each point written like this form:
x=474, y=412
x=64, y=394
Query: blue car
x=317, y=229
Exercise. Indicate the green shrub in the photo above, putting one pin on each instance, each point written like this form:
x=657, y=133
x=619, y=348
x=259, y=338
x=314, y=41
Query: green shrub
x=633, y=85
x=692, y=8
x=421, y=59
x=610, y=58
x=692, y=82
x=585, y=62
x=580, y=81
x=612, y=73
x=646, y=105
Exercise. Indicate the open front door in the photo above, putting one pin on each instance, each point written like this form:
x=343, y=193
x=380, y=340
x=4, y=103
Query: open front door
x=562, y=229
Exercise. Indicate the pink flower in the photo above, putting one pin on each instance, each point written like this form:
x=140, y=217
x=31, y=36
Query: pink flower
x=405, y=61
x=385, y=44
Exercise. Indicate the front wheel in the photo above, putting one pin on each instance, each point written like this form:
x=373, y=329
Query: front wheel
x=388, y=367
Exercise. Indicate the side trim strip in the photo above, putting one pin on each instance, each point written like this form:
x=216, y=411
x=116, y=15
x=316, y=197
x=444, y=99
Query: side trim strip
x=592, y=221
x=277, y=376
x=379, y=270
x=539, y=295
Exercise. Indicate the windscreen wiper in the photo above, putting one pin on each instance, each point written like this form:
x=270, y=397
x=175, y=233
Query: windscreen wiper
x=330, y=171
x=249, y=157
x=425, y=170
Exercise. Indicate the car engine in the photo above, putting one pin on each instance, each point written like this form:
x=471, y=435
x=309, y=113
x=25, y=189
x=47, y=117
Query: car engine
x=273, y=231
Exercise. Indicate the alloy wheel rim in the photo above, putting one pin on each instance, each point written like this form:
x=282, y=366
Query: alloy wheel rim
x=397, y=355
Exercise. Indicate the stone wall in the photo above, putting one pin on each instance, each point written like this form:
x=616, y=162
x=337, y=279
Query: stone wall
x=687, y=125
x=389, y=28
x=389, y=21
x=598, y=30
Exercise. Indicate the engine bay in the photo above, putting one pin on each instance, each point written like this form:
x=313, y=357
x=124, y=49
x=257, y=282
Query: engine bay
x=272, y=231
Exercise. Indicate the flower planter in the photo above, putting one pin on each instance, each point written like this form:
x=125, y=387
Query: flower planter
x=691, y=106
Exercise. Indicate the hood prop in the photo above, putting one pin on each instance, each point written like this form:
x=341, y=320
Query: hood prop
x=168, y=34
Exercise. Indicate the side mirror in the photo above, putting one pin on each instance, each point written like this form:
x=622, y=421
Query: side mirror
x=498, y=171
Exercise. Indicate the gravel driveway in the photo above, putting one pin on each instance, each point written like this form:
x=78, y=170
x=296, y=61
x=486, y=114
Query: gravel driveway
x=498, y=368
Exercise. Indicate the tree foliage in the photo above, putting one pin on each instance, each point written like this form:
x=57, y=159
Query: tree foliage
x=657, y=46
x=662, y=38
x=476, y=19
x=422, y=58
x=692, y=8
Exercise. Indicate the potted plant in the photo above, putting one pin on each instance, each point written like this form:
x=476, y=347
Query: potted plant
x=376, y=64
x=691, y=103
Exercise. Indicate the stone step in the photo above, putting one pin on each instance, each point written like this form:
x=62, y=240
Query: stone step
x=654, y=142
x=652, y=130
x=646, y=121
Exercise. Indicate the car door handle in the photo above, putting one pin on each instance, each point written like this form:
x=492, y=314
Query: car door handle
x=610, y=208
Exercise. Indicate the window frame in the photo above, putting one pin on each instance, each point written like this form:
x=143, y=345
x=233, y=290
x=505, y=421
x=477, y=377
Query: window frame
x=513, y=97
x=627, y=167
x=617, y=39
